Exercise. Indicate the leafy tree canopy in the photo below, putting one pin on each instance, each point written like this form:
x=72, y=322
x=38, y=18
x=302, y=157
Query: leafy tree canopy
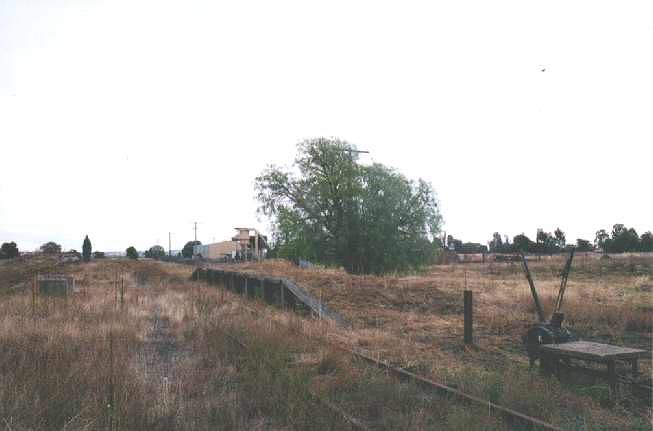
x=621, y=239
x=331, y=209
x=51, y=248
x=9, y=250
x=646, y=241
x=187, y=251
x=155, y=252
x=522, y=243
x=583, y=245
x=560, y=238
x=131, y=252
x=86, y=249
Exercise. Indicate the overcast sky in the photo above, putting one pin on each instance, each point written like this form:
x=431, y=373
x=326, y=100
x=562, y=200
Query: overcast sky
x=125, y=120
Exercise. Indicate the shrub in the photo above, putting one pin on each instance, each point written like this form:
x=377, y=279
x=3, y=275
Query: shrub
x=86, y=249
x=155, y=252
x=131, y=252
x=51, y=247
x=187, y=251
x=9, y=250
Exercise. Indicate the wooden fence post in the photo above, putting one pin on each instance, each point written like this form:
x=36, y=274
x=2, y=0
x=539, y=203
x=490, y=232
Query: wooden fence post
x=469, y=339
x=282, y=288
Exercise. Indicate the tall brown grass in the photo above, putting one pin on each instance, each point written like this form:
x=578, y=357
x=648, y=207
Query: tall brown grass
x=167, y=358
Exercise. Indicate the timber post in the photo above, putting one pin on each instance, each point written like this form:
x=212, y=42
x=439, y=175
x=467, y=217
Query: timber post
x=468, y=332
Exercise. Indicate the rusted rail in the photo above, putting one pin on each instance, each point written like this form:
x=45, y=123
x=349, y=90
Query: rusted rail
x=404, y=374
x=448, y=390
x=355, y=423
x=439, y=387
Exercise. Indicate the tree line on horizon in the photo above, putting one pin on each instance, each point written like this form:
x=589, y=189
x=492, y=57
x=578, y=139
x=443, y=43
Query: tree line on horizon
x=620, y=240
x=367, y=218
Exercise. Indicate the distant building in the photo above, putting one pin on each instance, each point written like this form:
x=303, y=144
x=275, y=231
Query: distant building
x=252, y=243
x=247, y=244
x=217, y=251
x=70, y=256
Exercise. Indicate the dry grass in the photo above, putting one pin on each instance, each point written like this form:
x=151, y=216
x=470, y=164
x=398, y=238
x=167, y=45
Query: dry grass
x=174, y=367
x=164, y=360
x=416, y=322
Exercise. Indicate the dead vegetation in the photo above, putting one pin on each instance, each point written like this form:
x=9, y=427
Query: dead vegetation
x=416, y=322
x=166, y=358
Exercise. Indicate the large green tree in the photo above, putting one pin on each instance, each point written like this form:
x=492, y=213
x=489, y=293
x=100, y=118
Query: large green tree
x=332, y=209
x=623, y=239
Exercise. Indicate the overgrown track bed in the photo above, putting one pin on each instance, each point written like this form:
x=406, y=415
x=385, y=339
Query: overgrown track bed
x=349, y=419
x=183, y=373
x=523, y=421
x=415, y=322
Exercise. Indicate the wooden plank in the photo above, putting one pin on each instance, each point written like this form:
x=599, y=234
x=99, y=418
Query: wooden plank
x=313, y=303
x=270, y=289
x=593, y=351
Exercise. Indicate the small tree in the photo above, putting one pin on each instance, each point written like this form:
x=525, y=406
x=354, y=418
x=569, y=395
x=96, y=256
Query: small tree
x=602, y=240
x=86, y=249
x=8, y=250
x=583, y=245
x=646, y=241
x=51, y=248
x=523, y=243
x=496, y=245
x=453, y=243
x=155, y=252
x=560, y=238
x=187, y=251
x=131, y=252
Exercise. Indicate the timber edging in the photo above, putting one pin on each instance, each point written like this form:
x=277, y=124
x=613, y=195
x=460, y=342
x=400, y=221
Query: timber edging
x=276, y=291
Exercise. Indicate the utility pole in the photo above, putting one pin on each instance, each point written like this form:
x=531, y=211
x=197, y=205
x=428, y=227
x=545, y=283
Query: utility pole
x=351, y=151
x=258, y=257
x=356, y=151
x=169, y=244
x=195, y=223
